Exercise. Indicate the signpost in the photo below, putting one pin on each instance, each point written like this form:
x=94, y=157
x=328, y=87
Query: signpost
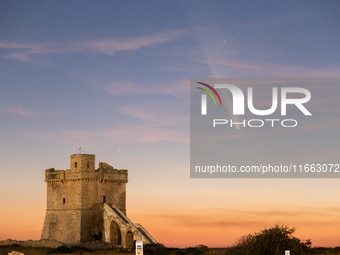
x=139, y=248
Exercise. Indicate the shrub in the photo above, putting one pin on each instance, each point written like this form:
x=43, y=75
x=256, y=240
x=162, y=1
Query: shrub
x=182, y=252
x=65, y=249
x=60, y=250
x=190, y=251
x=154, y=249
x=273, y=241
x=79, y=248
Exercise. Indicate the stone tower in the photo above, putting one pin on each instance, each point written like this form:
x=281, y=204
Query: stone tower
x=86, y=204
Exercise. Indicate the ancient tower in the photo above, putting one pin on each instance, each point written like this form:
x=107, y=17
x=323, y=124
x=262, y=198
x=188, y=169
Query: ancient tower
x=85, y=204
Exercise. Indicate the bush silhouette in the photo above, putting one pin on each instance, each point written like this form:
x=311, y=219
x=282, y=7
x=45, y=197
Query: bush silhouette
x=67, y=250
x=273, y=241
x=154, y=249
x=60, y=250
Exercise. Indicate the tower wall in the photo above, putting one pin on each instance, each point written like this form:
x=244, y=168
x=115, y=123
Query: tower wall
x=63, y=220
x=74, y=197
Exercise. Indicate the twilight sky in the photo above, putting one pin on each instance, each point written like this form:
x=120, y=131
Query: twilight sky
x=113, y=78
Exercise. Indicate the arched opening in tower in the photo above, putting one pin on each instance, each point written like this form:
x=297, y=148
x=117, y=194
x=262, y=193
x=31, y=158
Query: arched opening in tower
x=115, y=234
x=129, y=240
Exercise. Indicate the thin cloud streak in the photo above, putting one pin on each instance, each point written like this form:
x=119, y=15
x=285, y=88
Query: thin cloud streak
x=247, y=219
x=110, y=47
x=177, y=89
x=224, y=63
x=125, y=134
x=268, y=70
x=131, y=134
x=17, y=110
x=152, y=118
x=27, y=51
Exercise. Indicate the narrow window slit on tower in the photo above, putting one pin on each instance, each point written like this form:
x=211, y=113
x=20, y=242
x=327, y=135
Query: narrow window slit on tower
x=75, y=164
x=103, y=199
x=87, y=165
x=64, y=200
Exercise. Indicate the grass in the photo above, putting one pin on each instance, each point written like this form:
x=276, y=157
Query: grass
x=75, y=250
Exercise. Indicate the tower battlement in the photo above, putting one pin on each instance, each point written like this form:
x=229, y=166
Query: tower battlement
x=83, y=168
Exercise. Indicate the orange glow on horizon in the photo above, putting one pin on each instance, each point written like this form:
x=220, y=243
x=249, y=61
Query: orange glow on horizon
x=190, y=229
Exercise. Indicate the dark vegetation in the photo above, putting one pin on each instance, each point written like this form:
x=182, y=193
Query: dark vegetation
x=67, y=250
x=272, y=241
x=159, y=249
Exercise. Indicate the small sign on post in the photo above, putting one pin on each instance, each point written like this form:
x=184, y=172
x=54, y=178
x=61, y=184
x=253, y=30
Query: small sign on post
x=287, y=252
x=139, y=248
